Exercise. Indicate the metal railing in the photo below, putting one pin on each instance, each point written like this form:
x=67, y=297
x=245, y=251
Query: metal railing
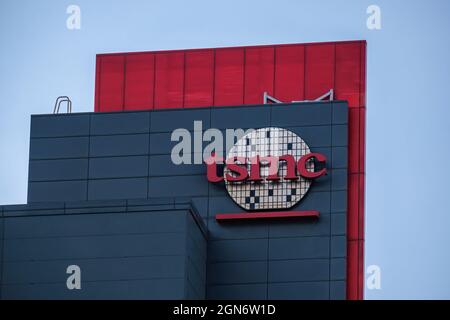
x=60, y=100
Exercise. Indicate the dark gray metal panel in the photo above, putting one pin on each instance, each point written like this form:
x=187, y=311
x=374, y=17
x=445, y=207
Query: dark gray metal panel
x=59, y=148
x=59, y=125
x=147, y=289
x=339, y=157
x=237, y=250
x=305, y=115
x=238, y=292
x=162, y=165
x=167, y=121
x=315, y=136
x=299, y=248
x=93, y=247
x=119, y=145
x=118, y=167
x=319, y=201
x=242, y=229
x=339, y=201
x=299, y=270
x=340, y=135
x=58, y=190
x=338, y=269
x=118, y=189
x=301, y=227
x=339, y=179
x=161, y=143
x=180, y=186
x=338, y=246
x=222, y=205
x=67, y=169
x=338, y=224
x=299, y=291
x=120, y=123
x=242, y=117
x=241, y=272
x=71, y=225
x=338, y=290
x=340, y=112
x=129, y=268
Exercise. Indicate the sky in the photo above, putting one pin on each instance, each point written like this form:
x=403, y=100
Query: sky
x=408, y=111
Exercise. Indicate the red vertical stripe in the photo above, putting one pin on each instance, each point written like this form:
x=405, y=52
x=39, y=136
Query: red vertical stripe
x=289, y=73
x=259, y=74
x=353, y=140
x=353, y=207
x=362, y=139
x=139, y=81
x=319, y=70
x=361, y=204
x=199, y=78
x=229, y=77
x=169, y=86
x=111, y=83
x=361, y=270
x=348, y=71
x=362, y=90
x=352, y=270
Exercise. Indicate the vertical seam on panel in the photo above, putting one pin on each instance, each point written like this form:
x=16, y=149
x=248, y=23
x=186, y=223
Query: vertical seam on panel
x=304, y=71
x=330, y=217
x=124, y=84
x=214, y=78
x=99, y=109
x=184, y=81
x=154, y=81
x=331, y=176
x=274, y=71
x=360, y=75
x=149, y=153
x=244, y=75
x=88, y=159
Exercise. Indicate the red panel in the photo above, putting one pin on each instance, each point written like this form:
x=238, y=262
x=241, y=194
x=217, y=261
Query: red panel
x=139, y=81
x=289, y=73
x=229, y=77
x=169, y=80
x=266, y=215
x=353, y=207
x=353, y=139
x=361, y=203
x=362, y=139
x=352, y=270
x=361, y=271
x=362, y=90
x=319, y=70
x=348, y=73
x=98, y=72
x=111, y=83
x=199, y=78
x=259, y=74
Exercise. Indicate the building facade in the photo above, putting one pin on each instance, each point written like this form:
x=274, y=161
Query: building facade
x=105, y=194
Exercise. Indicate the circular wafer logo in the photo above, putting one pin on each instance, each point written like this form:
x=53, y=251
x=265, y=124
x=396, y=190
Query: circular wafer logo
x=274, y=190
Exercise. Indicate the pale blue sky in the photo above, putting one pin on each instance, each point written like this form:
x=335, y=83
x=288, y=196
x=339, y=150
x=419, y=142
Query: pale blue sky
x=408, y=109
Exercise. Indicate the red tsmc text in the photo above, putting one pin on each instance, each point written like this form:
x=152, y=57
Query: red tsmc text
x=237, y=168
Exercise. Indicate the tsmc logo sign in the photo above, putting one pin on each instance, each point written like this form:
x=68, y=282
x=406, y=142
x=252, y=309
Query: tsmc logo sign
x=269, y=168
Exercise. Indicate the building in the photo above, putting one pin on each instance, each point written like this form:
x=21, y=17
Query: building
x=105, y=195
